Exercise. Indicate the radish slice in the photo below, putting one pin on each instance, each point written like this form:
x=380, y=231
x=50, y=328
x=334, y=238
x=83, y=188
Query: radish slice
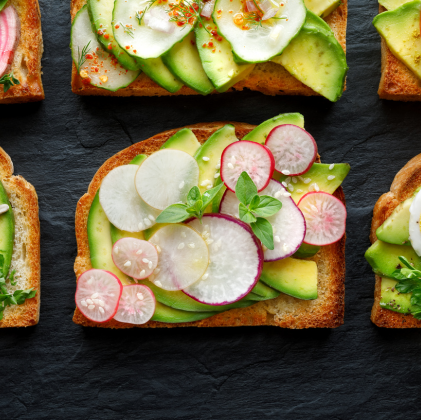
x=97, y=294
x=254, y=158
x=183, y=257
x=9, y=37
x=137, y=304
x=166, y=178
x=122, y=204
x=289, y=226
x=293, y=148
x=134, y=257
x=325, y=218
x=208, y=9
x=236, y=260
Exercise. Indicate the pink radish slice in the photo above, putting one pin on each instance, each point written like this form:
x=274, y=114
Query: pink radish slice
x=325, y=218
x=289, y=226
x=293, y=148
x=9, y=37
x=97, y=294
x=236, y=260
x=137, y=304
x=254, y=158
x=134, y=257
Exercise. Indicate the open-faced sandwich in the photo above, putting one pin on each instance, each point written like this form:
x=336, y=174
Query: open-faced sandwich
x=194, y=227
x=395, y=253
x=21, y=50
x=20, y=265
x=185, y=47
x=399, y=25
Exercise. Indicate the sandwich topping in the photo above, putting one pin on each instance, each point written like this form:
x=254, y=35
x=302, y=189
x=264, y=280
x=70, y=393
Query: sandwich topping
x=193, y=230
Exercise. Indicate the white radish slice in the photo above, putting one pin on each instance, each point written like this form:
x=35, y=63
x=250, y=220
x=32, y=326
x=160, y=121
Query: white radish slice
x=122, y=204
x=236, y=260
x=134, y=257
x=325, y=218
x=137, y=304
x=293, y=148
x=414, y=224
x=97, y=294
x=9, y=37
x=183, y=257
x=289, y=226
x=253, y=158
x=166, y=178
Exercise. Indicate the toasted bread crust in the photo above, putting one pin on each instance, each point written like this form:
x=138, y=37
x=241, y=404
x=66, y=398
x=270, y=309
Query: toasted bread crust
x=26, y=65
x=406, y=181
x=268, y=78
x=327, y=311
x=25, y=198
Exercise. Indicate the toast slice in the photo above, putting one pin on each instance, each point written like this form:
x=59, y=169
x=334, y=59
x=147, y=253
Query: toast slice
x=26, y=250
x=26, y=65
x=268, y=78
x=327, y=311
x=406, y=181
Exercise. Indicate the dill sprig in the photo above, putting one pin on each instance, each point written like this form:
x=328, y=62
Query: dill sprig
x=253, y=20
x=127, y=30
x=185, y=13
x=141, y=14
x=82, y=56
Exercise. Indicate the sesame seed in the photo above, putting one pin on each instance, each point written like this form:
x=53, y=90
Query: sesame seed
x=151, y=218
x=183, y=234
x=284, y=184
x=127, y=264
x=299, y=191
x=278, y=194
x=141, y=226
x=205, y=158
x=233, y=159
x=291, y=187
x=331, y=166
x=138, y=252
x=142, y=273
x=287, y=194
x=116, y=250
x=101, y=310
x=94, y=296
x=285, y=247
x=96, y=301
x=285, y=172
x=90, y=307
x=316, y=187
x=216, y=175
x=158, y=283
x=330, y=177
x=101, y=302
x=140, y=296
x=277, y=239
x=150, y=265
x=230, y=165
x=157, y=270
x=158, y=248
x=89, y=301
x=205, y=234
x=181, y=245
x=83, y=303
x=314, y=208
x=148, y=223
x=4, y=208
x=218, y=165
x=294, y=179
x=145, y=260
x=205, y=276
x=209, y=241
x=90, y=280
x=288, y=180
x=209, y=186
x=181, y=185
x=307, y=180
x=300, y=178
x=204, y=183
x=191, y=245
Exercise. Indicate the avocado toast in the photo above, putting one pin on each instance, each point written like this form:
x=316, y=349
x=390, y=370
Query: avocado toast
x=315, y=275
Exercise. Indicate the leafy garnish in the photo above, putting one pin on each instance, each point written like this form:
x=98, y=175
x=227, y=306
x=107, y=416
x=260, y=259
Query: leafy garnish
x=141, y=14
x=186, y=12
x=2, y=4
x=81, y=57
x=127, y=30
x=8, y=80
x=195, y=207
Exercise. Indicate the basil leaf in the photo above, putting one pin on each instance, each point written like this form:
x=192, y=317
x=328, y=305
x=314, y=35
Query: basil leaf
x=245, y=214
x=209, y=195
x=8, y=80
x=264, y=231
x=245, y=189
x=193, y=196
x=268, y=206
x=254, y=203
x=175, y=213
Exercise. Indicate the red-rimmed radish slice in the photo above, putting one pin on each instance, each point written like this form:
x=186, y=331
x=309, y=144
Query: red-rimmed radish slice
x=137, y=304
x=183, y=257
x=122, y=204
x=97, y=294
x=134, y=257
x=325, y=218
x=289, y=226
x=9, y=37
x=254, y=158
x=293, y=148
x=166, y=178
x=236, y=260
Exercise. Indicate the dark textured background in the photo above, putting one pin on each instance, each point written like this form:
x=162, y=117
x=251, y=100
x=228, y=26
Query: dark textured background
x=58, y=370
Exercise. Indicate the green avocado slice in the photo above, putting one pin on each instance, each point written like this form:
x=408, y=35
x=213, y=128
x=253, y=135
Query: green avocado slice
x=322, y=8
x=392, y=299
x=392, y=4
x=7, y=232
x=306, y=251
x=184, y=140
x=166, y=314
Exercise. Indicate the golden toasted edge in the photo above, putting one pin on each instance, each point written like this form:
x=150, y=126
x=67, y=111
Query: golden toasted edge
x=31, y=46
x=327, y=315
x=28, y=197
x=268, y=78
x=406, y=181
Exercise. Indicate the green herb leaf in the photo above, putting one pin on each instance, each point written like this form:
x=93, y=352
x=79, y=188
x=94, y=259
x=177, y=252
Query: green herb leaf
x=254, y=203
x=8, y=80
x=264, y=231
x=193, y=196
x=268, y=206
x=245, y=215
x=2, y=4
x=209, y=195
x=245, y=189
x=175, y=213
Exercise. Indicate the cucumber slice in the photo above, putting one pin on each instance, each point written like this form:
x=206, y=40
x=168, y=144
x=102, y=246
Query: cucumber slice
x=218, y=62
x=184, y=61
x=258, y=43
x=7, y=232
x=139, y=40
x=111, y=75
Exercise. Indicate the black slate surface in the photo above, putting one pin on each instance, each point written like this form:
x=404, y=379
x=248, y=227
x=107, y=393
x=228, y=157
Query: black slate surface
x=58, y=370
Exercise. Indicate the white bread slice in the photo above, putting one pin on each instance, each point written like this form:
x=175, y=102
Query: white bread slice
x=26, y=251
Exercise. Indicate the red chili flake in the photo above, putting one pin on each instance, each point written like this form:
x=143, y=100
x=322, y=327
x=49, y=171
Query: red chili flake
x=106, y=36
x=210, y=44
x=195, y=6
x=213, y=51
x=220, y=39
x=180, y=23
x=89, y=56
x=134, y=51
x=188, y=15
x=200, y=25
x=117, y=26
x=214, y=33
x=192, y=42
x=96, y=69
x=86, y=81
x=219, y=11
x=191, y=21
x=127, y=47
x=204, y=45
x=110, y=47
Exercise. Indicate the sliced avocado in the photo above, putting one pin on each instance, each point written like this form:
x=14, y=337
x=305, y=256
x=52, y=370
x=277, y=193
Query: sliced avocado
x=260, y=133
x=138, y=160
x=317, y=174
x=316, y=58
x=100, y=245
x=218, y=60
x=392, y=299
x=306, y=251
x=166, y=314
x=183, y=60
x=315, y=19
x=117, y=234
x=184, y=140
x=212, y=149
x=262, y=292
x=400, y=28
x=384, y=257
x=7, y=232
x=393, y=4
x=322, y=8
